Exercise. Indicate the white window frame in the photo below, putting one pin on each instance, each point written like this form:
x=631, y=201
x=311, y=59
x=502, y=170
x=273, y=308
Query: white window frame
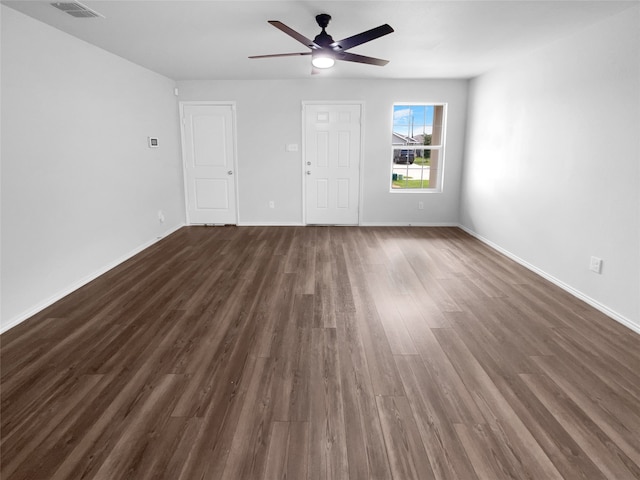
x=438, y=188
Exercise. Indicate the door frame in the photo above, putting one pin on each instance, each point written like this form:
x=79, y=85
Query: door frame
x=304, y=152
x=231, y=104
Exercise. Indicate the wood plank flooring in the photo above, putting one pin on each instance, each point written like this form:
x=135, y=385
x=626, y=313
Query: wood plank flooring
x=320, y=353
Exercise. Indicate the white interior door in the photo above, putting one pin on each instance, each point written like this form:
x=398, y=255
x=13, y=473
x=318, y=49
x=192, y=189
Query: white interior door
x=209, y=162
x=332, y=164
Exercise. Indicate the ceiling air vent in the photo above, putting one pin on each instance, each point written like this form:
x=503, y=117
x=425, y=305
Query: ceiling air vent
x=76, y=9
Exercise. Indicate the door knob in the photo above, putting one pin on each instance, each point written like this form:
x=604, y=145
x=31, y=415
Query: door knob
x=230, y=172
x=308, y=172
x=308, y=163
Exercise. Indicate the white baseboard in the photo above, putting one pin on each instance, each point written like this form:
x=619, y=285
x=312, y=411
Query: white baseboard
x=362, y=224
x=82, y=282
x=568, y=288
x=407, y=224
x=270, y=224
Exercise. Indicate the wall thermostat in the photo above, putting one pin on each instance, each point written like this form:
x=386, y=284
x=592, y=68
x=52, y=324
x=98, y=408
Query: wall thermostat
x=153, y=142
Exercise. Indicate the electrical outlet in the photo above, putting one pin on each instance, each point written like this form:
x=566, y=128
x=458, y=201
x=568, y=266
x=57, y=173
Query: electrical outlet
x=272, y=204
x=420, y=205
x=160, y=216
x=595, y=265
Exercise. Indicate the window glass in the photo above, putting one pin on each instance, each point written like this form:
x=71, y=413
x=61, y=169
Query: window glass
x=417, y=142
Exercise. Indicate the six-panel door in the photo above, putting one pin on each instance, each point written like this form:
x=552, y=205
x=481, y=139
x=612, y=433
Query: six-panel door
x=332, y=164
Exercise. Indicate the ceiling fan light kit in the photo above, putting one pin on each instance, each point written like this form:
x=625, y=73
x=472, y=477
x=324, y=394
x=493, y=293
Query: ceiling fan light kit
x=325, y=51
x=322, y=61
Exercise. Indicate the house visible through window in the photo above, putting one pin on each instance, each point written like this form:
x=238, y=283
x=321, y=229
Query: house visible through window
x=417, y=143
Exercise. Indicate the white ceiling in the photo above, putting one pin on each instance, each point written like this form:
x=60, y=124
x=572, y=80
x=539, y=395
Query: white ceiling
x=211, y=39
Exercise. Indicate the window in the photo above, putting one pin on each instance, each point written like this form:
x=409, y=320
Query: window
x=417, y=142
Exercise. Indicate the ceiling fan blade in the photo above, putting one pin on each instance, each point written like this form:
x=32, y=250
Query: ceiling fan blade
x=361, y=38
x=352, y=57
x=280, y=55
x=292, y=33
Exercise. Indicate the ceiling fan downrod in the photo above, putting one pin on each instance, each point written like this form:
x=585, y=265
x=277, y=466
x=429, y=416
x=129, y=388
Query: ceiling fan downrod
x=323, y=38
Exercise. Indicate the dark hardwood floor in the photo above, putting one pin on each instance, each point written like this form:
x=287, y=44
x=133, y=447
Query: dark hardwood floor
x=320, y=352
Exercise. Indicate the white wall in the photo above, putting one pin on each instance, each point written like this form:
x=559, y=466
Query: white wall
x=269, y=118
x=552, y=162
x=80, y=188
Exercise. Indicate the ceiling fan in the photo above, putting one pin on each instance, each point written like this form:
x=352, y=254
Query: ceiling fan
x=325, y=51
